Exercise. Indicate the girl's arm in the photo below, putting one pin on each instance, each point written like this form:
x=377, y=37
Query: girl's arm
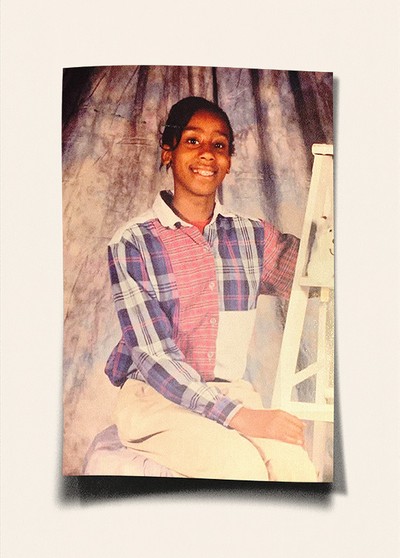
x=279, y=264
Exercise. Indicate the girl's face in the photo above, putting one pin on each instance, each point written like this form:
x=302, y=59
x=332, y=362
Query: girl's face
x=201, y=160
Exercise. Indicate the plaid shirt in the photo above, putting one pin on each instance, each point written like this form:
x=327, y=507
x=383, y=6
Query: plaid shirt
x=174, y=288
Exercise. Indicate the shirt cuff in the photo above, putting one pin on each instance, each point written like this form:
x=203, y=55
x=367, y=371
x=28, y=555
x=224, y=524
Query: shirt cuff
x=223, y=410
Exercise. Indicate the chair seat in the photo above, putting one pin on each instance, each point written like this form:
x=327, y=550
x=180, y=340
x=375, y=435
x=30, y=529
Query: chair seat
x=107, y=456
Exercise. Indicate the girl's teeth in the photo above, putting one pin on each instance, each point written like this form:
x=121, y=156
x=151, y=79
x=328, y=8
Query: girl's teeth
x=204, y=172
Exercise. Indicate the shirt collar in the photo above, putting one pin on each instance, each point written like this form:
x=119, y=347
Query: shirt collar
x=169, y=219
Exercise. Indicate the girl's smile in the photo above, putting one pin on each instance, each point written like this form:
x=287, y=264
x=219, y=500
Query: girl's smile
x=204, y=172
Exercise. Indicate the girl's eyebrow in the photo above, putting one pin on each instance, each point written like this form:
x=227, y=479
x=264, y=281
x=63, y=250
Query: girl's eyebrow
x=197, y=129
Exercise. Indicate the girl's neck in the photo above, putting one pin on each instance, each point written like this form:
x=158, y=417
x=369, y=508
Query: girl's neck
x=193, y=209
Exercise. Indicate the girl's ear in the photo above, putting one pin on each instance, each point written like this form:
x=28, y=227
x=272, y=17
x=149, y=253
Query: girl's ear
x=166, y=157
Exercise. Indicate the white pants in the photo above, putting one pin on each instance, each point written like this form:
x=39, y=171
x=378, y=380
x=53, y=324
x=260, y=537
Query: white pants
x=196, y=447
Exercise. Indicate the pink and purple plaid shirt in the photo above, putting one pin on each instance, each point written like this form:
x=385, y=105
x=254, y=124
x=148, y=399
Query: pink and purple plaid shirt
x=186, y=301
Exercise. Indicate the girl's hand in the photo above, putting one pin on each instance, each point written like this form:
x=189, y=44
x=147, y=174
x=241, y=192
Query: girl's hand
x=266, y=423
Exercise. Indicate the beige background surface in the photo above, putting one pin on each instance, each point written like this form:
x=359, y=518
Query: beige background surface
x=359, y=42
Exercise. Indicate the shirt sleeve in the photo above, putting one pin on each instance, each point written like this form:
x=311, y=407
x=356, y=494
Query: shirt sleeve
x=147, y=334
x=279, y=263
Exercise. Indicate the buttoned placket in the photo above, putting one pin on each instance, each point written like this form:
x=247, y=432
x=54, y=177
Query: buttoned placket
x=203, y=240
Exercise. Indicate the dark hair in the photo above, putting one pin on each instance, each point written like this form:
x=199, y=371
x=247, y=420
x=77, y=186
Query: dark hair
x=182, y=112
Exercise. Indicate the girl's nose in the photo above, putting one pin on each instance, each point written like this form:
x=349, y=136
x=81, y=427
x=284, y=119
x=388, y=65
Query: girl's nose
x=207, y=153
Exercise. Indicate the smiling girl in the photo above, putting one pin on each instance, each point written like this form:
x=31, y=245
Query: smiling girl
x=186, y=277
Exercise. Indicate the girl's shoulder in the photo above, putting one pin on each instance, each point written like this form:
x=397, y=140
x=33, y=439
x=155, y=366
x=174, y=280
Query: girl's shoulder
x=238, y=216
x=133, y=229
x=245, y=219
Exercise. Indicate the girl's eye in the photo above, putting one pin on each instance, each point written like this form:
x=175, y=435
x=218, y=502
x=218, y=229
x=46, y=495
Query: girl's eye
x=219, y=145
x=192, y=141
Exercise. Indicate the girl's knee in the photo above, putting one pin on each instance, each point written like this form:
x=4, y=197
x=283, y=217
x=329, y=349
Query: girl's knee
x=236, y=458
x=291, y=463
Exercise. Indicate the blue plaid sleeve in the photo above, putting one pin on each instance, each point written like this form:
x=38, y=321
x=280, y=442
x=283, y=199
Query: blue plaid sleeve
x=148, y=334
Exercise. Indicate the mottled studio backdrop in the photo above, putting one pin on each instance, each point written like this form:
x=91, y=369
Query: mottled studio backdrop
x=111, y=157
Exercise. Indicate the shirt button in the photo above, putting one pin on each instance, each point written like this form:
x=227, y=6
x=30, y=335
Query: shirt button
x=213, y=321
x=210, y=355
x=212, y=285
x=206, y=249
